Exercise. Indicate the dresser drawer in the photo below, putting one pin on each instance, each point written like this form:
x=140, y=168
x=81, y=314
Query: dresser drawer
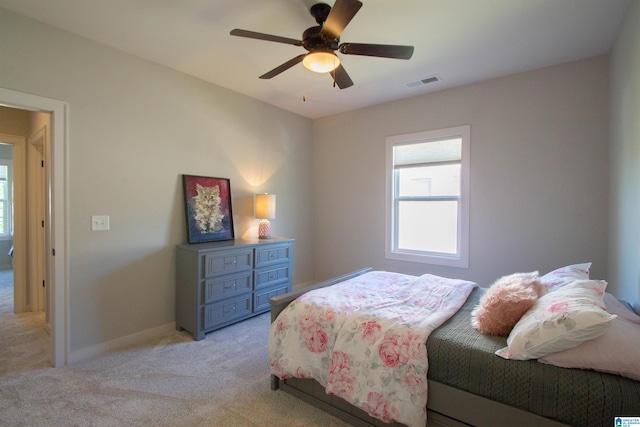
x=226, y=286
x=261, y=298
x=271, y=277
x=216, y=314
x=217, y=263
x=270, y=255
x=224, y=282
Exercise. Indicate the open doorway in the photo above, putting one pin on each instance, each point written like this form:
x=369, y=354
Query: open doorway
x=13, y=245
x=7, y=306
x=6, y=206
x=54, y=255
x=24, y=320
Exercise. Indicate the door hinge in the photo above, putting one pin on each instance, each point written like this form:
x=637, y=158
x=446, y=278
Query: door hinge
x=53, y=252
x=43, y=223
x=43, y=283
x=42, y=163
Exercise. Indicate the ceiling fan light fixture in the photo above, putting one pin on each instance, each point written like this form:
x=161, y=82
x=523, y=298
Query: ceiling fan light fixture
x=321, y=62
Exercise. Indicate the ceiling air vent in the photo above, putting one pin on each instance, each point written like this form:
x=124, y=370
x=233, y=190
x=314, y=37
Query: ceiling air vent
x=428, y=80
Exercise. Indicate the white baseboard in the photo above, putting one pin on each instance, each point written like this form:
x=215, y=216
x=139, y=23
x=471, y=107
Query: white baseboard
x=119, y=343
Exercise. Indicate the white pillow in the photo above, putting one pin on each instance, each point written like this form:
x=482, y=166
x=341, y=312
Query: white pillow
x=560, y=320
x=565, y=275
x=617, y=351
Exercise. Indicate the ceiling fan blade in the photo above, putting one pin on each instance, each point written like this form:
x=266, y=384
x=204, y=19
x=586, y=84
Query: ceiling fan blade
x=341, y=14
x=341, y=77
x=379, y=50
x=267, y=37
x=290, y=63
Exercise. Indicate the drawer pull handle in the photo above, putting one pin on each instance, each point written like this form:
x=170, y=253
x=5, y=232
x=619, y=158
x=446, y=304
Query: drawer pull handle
x=230, y=262
x=273, y=277
x=230, y=286
x=273, y=255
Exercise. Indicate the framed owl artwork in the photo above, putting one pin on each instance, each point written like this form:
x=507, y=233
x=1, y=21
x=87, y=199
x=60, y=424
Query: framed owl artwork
x=208, y=208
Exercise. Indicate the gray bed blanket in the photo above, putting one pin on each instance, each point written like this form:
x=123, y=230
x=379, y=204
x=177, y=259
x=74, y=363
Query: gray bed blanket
x=462, y=357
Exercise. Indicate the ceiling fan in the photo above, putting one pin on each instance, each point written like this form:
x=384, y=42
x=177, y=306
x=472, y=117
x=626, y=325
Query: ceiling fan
x=323, y=40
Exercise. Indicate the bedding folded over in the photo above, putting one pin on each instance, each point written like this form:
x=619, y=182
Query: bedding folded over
x=365, y=340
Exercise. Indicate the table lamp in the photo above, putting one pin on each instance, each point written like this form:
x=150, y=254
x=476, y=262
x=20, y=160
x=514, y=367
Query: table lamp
x=265, y=210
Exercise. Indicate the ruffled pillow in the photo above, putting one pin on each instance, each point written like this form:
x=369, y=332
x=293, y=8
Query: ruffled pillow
x=614, y=352
x=560, y=320
x=504, y=303
x=565, y=275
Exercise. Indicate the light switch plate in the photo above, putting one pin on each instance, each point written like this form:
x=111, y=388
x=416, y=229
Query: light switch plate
x=99, y=222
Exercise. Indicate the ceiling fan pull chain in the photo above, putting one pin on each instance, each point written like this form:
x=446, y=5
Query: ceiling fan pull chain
x=304, y=85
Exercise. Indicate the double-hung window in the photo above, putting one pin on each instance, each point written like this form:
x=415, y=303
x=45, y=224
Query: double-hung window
x=6, y=187
x=428, y=197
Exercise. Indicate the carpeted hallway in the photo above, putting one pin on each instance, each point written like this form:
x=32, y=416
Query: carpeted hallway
x=24, y=342
x=222, y=380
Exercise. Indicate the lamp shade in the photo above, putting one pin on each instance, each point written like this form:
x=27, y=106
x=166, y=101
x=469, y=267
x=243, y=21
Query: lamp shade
x=265, y=206
x=321, y=62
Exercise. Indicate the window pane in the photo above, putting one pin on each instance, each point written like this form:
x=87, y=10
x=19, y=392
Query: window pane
x=3, y=229
x=428, y=226
x=5, y=198
x=442, y=180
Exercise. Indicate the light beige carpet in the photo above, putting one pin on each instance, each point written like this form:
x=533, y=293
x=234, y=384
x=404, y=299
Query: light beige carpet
x=222, y=380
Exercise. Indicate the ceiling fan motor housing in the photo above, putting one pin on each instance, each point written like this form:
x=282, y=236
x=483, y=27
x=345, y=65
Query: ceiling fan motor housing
x=313, y=41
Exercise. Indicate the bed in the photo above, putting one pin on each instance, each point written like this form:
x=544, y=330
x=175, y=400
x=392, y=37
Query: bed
x=469, y=385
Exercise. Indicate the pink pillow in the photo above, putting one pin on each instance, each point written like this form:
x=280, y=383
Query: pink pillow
x=504, y=303
x=615, y=352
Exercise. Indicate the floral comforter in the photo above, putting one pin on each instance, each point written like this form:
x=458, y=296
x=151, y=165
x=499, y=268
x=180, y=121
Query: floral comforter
x=364, y=339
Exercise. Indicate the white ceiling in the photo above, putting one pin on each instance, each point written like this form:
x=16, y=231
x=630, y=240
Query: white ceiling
x=462, y=41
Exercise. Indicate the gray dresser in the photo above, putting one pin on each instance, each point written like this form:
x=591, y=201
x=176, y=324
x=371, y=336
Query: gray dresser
x=221, y=283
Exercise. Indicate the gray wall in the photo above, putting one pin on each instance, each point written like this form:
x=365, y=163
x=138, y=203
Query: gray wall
x=539, y=173
x=624, y=258
x=134, y=128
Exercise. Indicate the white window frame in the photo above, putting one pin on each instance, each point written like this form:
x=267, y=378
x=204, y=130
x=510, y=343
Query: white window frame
x=9, y=200
x=461, y=258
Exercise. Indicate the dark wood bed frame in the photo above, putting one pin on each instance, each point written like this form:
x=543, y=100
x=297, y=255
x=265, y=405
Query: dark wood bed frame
x=446, y=405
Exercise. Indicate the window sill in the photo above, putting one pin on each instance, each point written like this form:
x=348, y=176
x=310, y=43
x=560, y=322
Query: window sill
x=443, y=260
